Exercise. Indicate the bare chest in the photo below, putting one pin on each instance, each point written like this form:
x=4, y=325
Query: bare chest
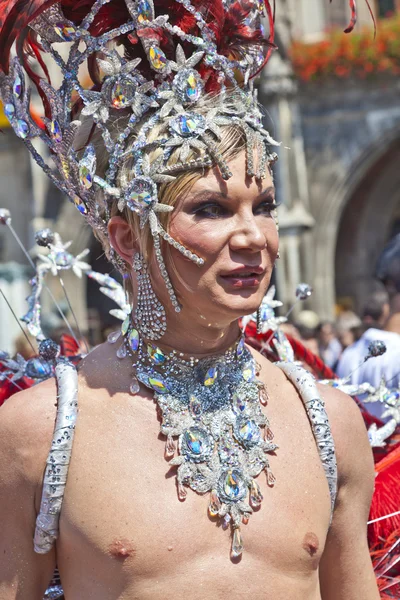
x=124, y=528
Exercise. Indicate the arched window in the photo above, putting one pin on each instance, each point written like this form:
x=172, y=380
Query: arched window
x=386, y=7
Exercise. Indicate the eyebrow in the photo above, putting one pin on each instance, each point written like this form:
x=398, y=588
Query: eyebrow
x=267, y=192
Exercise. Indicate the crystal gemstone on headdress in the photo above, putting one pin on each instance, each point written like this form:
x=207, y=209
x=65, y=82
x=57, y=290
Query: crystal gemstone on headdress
x=144, y=11
x=188, y=85
x=156, y=355
x=232, y=485
x=247, y=432
x=140, y=195
x=21, y=128
x=158, y=59
x=55, y=131
x=66, y=32
x=133, y=340
x=123, y=93
x=87, y=167
x=237, y=544
x=80, y=205
x=188, y=124
x=17, y=87
x=9, y=111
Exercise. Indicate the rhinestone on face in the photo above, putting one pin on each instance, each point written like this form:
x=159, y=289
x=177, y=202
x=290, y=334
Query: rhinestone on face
x=215, y=504
x=21, y=128
x=66, y=32
x=55, y=131
x=122, y=93
x=9, y=111
x=133, y=340
x=144, y=11
x=157, y=58
x=17, y=87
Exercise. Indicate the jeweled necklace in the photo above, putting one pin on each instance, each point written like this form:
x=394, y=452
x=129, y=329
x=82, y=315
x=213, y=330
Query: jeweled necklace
x=213, y=407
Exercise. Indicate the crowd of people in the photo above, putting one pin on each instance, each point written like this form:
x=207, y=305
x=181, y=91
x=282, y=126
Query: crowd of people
x=343, y=344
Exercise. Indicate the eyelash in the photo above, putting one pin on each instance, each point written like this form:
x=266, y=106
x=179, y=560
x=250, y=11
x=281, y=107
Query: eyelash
x=204, y=209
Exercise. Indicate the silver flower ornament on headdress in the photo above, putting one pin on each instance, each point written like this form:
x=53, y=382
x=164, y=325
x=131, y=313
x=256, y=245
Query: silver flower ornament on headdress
x=162, y=78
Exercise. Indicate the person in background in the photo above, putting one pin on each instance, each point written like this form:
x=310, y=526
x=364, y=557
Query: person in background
x=375, y=317
x=329, y=346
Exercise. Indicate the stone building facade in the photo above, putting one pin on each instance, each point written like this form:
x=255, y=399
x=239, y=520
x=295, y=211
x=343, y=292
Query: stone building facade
x=338, y=177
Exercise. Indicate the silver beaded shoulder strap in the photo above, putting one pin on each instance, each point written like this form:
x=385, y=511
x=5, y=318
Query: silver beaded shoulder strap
x=57, y=464
x=315, y=407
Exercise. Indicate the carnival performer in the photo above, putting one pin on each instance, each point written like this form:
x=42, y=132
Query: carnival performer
x=204, y=470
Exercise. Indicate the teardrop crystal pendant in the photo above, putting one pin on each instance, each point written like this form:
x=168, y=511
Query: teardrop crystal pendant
x=121, y=352
x=114, y=337
x=256, y=496
x=264, y=396
x=215, y=504
x=270, y=478
x=237, y=543
x=226, y=521
x=169, y=447
x=135, y=386
x=182, y=493
x=268, y=435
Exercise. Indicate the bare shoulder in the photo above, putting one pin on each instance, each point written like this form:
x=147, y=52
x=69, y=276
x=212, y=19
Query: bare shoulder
x=26, y=428
x=353, y=451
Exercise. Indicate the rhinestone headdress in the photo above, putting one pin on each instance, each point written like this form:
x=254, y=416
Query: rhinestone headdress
x=152, y=64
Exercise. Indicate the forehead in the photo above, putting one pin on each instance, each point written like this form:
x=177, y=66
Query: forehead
x=240, y=183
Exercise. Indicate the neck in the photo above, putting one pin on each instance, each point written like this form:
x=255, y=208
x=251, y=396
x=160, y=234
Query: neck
x=199, y=341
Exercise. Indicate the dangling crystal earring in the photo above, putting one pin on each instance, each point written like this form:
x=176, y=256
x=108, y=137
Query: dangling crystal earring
x=150, y=315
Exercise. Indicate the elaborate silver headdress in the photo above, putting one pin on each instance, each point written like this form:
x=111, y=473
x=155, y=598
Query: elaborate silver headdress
x=152, y=65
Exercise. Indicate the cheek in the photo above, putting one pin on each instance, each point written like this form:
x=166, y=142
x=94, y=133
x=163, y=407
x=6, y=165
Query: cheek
x=207, y=238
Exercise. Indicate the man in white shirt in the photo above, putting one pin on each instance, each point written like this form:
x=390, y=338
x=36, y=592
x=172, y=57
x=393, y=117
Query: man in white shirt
x=387, y=365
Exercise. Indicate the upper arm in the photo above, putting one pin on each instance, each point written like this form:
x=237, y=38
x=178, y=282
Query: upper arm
x=25, y=437
x=346, y=571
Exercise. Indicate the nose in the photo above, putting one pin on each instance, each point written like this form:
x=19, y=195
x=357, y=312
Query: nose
x=248, y=234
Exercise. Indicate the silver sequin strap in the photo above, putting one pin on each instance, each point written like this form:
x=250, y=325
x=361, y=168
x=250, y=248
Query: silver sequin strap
x=55, y=477
x=315, y=407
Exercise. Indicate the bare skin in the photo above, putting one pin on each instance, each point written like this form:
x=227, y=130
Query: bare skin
x=123, y=532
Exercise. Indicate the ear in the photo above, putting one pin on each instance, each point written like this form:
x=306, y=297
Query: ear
x=122, y=239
